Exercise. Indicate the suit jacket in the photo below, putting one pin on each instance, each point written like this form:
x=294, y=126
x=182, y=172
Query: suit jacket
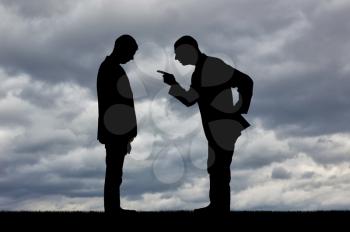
x=116, y=113
x=211, y=85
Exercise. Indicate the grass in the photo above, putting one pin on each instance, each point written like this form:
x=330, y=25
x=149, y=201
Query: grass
x=177, y=219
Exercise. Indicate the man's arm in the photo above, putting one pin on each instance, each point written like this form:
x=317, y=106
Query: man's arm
x=244, y=86
x=187, y=97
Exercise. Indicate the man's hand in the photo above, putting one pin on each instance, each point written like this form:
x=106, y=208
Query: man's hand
x=131, y=139
x=168, y=78
x=128, y=149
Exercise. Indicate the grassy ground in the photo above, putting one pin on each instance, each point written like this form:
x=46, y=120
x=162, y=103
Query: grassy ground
x=177, y=220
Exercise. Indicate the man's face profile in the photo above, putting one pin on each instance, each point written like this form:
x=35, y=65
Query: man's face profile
x=186, y=54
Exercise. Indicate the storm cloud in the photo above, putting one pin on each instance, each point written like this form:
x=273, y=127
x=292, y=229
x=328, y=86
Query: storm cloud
x=295, y=156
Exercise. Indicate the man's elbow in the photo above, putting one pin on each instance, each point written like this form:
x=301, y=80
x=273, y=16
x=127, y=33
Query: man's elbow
x=249, y=83
x=186, y=101
x=189, y=103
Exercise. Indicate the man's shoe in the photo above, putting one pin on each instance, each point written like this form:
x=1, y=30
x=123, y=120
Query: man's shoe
x=206, y=209
x=127, y=211
x=211, y=209
x=120, y=211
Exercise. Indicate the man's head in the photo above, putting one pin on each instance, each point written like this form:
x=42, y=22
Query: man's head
x=125, y=48
x=186, y=50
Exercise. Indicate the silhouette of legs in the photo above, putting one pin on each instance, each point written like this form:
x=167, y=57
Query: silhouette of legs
x=220, y=177
x=115, y=154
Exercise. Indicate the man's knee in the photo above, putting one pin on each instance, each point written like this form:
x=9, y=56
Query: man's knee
x=220, y=164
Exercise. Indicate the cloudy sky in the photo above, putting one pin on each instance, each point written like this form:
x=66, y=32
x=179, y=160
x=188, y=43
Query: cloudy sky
x=295, y=156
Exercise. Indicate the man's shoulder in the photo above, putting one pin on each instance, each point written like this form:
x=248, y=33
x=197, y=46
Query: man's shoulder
x=215, y=60
x=108, y=67
x=215, y=72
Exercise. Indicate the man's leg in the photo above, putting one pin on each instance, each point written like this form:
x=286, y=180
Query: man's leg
x=220, y=177
x=115, y=154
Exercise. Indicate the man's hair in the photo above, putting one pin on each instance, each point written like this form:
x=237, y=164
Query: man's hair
x=189, y=40
x=125, y=42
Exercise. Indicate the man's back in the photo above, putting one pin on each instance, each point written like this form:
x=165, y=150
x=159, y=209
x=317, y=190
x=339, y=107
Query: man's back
x=213, y=80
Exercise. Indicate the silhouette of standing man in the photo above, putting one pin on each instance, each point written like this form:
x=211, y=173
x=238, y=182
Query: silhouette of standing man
x=117, y=120
x=222, y=120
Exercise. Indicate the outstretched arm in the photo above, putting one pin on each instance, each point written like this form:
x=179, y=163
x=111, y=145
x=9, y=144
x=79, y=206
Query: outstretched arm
x=187, y=97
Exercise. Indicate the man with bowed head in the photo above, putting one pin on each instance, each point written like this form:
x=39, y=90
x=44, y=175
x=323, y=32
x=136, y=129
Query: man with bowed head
x=117, y=125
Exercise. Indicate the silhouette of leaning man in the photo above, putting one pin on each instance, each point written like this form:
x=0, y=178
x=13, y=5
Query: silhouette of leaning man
x=222, y=120
x=117, y=120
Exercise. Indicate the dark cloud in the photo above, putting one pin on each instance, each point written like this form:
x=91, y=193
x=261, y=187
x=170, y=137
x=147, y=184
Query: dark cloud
x=297, y=54
x=280, y=173
x=37, y=8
